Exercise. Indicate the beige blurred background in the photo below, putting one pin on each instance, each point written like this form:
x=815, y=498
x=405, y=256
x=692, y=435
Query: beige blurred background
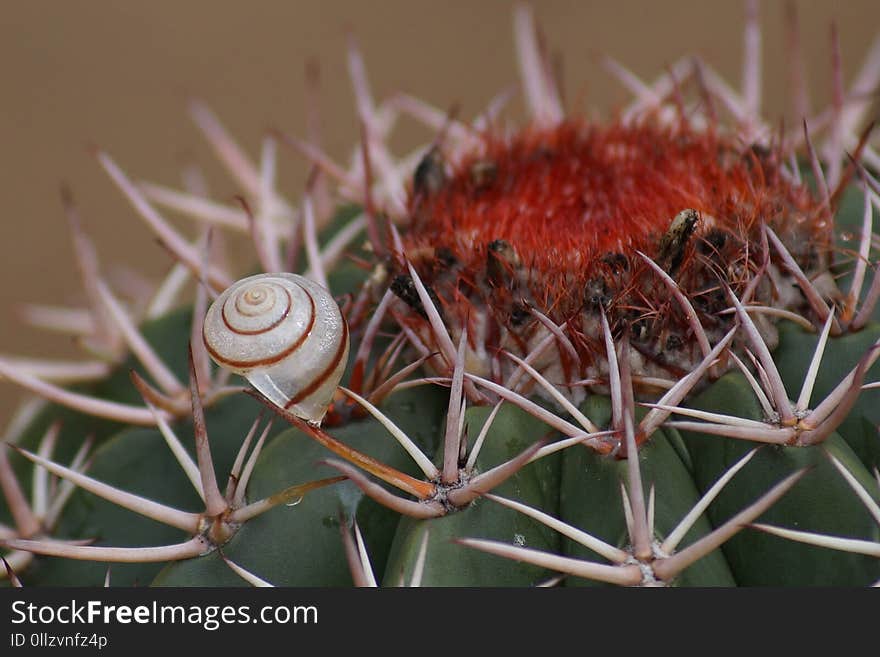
x=118, y=73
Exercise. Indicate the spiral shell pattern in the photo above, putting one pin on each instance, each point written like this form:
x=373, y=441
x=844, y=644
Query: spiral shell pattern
x=285, y=335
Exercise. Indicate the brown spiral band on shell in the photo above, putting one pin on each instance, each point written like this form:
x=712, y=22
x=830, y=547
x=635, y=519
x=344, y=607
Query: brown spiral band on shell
x=258, y=331
x=293, y=353
x=275, y=358
x=326, y=374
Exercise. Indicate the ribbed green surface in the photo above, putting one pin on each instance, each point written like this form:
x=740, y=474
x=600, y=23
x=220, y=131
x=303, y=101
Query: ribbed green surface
x=591, y=499
x=450, y=564
x=821, y=502
x=300, y=545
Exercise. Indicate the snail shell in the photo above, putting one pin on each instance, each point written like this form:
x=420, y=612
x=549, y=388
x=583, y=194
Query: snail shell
x=285, y=335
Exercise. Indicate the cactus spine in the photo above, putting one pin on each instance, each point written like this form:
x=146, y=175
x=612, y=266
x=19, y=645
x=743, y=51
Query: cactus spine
x=636, y=353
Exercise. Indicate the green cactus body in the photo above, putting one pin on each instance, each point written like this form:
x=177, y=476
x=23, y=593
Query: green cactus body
x=677, y=393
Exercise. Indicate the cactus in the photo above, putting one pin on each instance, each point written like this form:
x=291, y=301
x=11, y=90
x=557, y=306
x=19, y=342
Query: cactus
x=635, y=353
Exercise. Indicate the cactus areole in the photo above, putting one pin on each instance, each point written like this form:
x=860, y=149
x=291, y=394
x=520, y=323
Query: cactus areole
x=567, y=339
